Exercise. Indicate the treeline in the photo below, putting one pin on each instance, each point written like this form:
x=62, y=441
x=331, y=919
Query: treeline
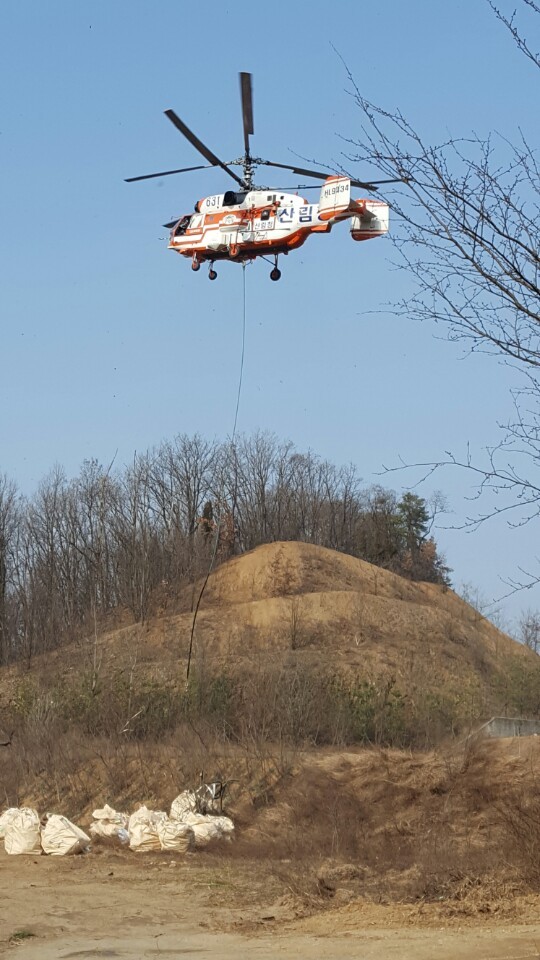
x=81, y=548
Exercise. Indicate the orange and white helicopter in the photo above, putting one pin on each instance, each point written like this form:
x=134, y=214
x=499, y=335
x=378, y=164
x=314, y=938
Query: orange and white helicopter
x=256, y=221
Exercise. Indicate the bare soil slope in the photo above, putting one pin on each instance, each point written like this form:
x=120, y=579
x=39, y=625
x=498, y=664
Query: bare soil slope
x=308, y=598
x=420, y=822
x=379, y=851
x=292, y=602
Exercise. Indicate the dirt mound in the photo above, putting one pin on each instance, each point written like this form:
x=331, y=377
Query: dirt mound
x=330, y=607
x=295, y=602
x=299, y=596
x=286, y=568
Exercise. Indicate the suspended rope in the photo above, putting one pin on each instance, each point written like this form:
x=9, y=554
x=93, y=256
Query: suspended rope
x=233, y=436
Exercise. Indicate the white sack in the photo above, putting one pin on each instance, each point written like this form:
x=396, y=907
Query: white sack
x=22, y=833
x=6, y=818
x=205, y=832
x=174, y=835
x=192, y=818
x=60, y=837
x=110, y=826
x=204, y=828
x=113, y=816
x=109, y=832
x=142, y=827
x=185, y=802
x=207, y=827
x=224, y=825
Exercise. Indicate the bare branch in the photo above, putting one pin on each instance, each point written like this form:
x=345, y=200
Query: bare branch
x=518, y=38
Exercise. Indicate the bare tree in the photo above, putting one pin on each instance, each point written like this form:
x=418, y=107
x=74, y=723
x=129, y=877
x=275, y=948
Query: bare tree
x=467, y=230
x=81, y=548
x=529, y=630
x=136, y=540
x=9, y=522
x=180, y=482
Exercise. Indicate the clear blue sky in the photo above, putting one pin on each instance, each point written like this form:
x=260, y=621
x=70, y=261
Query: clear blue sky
x=110, y=342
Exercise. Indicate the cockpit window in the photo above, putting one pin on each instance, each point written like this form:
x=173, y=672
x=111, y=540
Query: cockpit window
x=182, y=226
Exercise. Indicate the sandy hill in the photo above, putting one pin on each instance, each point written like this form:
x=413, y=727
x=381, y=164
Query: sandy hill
x=290, y=602
x=335, y=608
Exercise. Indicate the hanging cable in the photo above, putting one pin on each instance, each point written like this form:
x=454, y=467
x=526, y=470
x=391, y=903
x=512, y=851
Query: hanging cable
x=241, y=374
x=233, y=436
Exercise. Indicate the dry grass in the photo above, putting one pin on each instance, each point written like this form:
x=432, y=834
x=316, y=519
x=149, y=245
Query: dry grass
x=457, y=829
x=460, y=825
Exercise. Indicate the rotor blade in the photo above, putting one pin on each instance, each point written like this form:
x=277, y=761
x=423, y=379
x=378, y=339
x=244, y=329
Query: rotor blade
x=247, y=107
x=393, y=180
x=172, y=223
x=167, y=173
x=302, y=172
x=199, y=145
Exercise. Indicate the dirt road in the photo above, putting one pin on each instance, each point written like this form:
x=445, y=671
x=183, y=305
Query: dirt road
x=128, y=906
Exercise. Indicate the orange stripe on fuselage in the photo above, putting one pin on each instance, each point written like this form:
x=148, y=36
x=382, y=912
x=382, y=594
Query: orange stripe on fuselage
x=257, y=247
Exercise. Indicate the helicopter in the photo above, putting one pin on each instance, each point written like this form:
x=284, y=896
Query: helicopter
x=253, y=221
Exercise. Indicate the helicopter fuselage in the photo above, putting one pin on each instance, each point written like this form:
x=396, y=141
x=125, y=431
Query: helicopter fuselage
x=247, y=224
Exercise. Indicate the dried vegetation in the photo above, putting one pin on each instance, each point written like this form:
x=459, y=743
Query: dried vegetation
x=353, y=778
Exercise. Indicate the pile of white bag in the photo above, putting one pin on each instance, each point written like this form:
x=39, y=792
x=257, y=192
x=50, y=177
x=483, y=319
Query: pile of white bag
x=25, y=834
x=154, y=830
x=109, y=826
x=205, y=827
x=183, y=829
x=148, y=829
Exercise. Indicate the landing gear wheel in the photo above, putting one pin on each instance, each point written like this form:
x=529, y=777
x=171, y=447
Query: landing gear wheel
x=212, y=275
x=195, y=265
x=275, y=274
